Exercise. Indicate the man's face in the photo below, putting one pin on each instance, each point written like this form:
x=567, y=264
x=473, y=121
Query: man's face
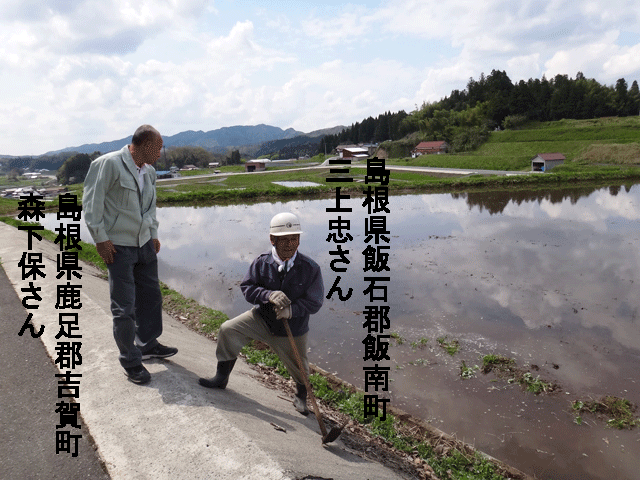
x=286, y=245
x=150, y=151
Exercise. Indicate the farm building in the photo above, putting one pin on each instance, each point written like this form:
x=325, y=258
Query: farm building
x=340, y=148
x=256, y=165
x=546, y=161
x=427, y=148
x=355, y=153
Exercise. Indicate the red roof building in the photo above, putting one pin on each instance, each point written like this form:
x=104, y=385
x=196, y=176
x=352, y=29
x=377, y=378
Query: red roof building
x=544, y=162
x=426, y=148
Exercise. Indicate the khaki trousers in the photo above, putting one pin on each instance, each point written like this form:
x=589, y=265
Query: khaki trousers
x=237, y=332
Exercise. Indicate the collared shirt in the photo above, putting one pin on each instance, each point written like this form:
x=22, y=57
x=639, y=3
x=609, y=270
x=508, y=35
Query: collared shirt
x=141, y=171
x=283, y=266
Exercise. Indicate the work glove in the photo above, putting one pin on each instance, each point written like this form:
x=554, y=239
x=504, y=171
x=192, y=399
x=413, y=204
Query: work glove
x=284, y=313
x=279, y=299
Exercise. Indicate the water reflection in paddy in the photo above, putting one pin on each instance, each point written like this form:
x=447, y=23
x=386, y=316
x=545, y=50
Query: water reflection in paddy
x=545, y=278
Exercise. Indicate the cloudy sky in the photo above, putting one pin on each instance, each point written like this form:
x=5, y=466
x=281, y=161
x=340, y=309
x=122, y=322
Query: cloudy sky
x=87, y=71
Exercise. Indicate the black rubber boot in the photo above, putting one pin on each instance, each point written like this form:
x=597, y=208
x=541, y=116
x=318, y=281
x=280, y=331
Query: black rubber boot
x=300, y=400
x=222, y=375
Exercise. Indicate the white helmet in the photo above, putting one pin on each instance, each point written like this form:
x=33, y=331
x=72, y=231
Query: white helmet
x=285, y=224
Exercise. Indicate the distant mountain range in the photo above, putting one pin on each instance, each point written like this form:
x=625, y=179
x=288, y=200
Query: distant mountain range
x=219, y=140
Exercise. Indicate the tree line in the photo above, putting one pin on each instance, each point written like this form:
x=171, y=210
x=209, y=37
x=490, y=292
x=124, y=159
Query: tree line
x=465, y=117
x=26, y=163
x=76, y=167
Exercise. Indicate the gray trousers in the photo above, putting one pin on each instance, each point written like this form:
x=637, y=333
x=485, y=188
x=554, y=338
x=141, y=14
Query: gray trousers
x=237, y=332
x=136, y=301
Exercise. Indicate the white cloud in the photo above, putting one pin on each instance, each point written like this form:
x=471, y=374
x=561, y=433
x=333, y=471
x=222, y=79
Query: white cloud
x=590, y=57
x=99, y=66
x=625, y=61
x=351, y=25
x=240, y=50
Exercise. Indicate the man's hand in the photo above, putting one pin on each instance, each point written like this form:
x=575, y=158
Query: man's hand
x=279, y=299
x=106, y=250
x=156, y=244
x=284, y=313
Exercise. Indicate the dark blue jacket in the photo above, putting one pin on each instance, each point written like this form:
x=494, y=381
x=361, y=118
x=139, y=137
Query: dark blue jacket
x=302, y=284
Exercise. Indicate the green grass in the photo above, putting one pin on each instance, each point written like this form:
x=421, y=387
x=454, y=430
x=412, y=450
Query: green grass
x=514, y=149
x=420, y=343
x=451, y=347
x=24, y=182
x=534, y=385
x=506, y=368
x=88, y=252
x=619, y=412
x=455, y=464
x=200, y=318
x=396, y=336
x=467, y=372
x=8, y=206
x=491, y=360
x=265, y=357
x=206, y=171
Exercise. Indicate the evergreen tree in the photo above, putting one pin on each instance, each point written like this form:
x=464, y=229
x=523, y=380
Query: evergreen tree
x=622, y=98
x=634, y=99
x=75, y=169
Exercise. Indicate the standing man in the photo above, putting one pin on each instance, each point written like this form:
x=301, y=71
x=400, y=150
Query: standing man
x=281, y=283
x=119, y=206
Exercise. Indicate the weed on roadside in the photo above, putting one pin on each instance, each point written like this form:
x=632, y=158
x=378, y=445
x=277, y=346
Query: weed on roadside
x=266, y=357
x=87, y=252
x=197, y=317
x=446, y=460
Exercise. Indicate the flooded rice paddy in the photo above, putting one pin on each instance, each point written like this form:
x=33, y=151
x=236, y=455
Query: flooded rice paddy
x=548, y=279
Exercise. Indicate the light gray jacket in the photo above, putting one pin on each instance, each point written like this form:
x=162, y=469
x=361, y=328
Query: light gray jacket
x=114, y=209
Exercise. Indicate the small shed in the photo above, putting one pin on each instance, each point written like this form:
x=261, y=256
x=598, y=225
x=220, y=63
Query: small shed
x=544, y=162
x=427, y=148
x=256, y=165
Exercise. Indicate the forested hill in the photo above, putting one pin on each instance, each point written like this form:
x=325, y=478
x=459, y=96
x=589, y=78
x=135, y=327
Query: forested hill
x=464, y=118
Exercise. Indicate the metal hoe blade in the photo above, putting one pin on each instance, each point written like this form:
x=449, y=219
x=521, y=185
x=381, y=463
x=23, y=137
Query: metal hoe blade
x=333, y=434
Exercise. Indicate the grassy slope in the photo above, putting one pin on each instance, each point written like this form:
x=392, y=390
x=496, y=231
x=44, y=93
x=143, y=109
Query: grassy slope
x=514, y=149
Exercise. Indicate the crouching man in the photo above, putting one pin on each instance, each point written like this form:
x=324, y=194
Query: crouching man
x=282, y=283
